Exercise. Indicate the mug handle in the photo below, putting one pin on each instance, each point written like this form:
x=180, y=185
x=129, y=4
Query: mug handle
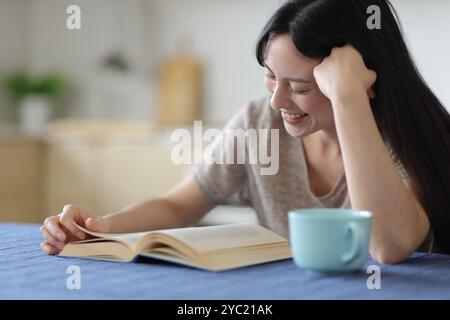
x=356, y=248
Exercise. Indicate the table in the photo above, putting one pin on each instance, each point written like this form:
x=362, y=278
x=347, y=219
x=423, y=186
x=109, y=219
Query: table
x=27, y=273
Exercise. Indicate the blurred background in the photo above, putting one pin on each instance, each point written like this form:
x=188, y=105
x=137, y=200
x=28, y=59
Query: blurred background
x=86, y=115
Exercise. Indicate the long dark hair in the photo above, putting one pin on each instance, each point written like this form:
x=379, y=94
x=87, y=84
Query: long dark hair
x=411, y=119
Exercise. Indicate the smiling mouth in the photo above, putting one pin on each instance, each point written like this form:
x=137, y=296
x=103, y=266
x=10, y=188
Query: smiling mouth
x=293, y=116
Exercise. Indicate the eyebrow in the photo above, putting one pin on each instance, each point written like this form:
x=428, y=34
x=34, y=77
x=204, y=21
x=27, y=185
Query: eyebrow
x=289, y=78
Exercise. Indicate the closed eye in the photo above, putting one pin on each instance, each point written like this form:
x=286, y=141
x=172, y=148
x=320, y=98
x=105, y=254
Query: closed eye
x=299, y=91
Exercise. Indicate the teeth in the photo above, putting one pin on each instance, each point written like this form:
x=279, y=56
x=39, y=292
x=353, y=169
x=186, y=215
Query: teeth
x=293, y=115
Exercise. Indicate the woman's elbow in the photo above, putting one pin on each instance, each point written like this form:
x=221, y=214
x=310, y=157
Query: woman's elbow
x=386, y=256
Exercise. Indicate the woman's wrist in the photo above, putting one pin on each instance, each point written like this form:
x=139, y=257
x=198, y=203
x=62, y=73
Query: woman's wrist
x=351, y=94
x=108, y=222
x=123, y=221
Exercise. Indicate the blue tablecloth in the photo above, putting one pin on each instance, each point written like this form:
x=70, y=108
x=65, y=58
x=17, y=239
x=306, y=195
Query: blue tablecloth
x=27, y=273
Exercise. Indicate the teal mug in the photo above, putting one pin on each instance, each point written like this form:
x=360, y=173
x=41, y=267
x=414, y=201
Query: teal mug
x=330, y=240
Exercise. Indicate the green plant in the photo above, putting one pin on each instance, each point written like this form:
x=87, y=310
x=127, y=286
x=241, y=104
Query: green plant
x=20, y=84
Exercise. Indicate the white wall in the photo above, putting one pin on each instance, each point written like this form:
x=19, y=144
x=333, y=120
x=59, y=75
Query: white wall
x=79, y=53
x=14, y=44
x=427, y=27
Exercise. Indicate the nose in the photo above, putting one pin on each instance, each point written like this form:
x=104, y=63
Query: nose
x=278, y=99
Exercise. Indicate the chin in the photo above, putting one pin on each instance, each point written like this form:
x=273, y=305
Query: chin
x=295, y=133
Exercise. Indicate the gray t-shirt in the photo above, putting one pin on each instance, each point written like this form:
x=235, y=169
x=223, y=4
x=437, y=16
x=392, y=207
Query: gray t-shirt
x=272, y=196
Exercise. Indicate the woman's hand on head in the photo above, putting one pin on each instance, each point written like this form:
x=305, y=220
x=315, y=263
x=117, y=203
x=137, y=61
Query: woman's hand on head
x=344, y=74
x=60, y=230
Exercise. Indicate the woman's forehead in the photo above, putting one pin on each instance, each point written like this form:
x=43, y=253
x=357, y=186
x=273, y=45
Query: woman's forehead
x=282, y=56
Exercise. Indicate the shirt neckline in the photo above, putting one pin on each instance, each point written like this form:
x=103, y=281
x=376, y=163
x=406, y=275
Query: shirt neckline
x=306, y=175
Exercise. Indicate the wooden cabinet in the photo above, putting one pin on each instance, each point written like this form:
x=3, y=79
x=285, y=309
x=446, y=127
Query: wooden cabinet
x=20, y=178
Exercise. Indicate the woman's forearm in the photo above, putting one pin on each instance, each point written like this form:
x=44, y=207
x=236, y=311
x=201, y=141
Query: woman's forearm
x=374, y=183
x=154, y=214
x=182, y=206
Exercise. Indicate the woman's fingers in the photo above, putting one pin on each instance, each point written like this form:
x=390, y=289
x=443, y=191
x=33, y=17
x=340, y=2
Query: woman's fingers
x=48, y=248
x=371, y=77
x=52, y=226
x=61, y=229
x=51, y=239
x=70, y=215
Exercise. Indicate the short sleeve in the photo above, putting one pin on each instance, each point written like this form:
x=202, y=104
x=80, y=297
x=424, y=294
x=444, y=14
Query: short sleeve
x=225, y=182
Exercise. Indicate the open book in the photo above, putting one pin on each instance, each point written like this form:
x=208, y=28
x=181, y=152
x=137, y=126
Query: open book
x=214, y=248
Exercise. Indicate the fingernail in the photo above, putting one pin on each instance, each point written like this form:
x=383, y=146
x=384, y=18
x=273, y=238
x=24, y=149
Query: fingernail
x=60, y=245
x=80, y=235
x=60, y=236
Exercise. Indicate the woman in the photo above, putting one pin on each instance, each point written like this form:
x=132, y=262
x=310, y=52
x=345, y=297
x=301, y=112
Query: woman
x=358, y=128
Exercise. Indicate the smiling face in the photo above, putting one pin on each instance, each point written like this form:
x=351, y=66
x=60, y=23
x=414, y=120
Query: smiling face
x=289, y=77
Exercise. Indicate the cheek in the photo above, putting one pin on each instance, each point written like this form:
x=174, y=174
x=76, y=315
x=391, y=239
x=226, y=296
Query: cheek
x=314, y=104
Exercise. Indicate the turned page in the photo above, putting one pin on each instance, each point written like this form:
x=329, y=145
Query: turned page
x=130, y=238
x=225, y=236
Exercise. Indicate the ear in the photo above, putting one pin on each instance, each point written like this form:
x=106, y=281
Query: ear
x=371, y=93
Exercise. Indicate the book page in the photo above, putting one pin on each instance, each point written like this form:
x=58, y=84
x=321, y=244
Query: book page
x=130, y=238
x=224, y=236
